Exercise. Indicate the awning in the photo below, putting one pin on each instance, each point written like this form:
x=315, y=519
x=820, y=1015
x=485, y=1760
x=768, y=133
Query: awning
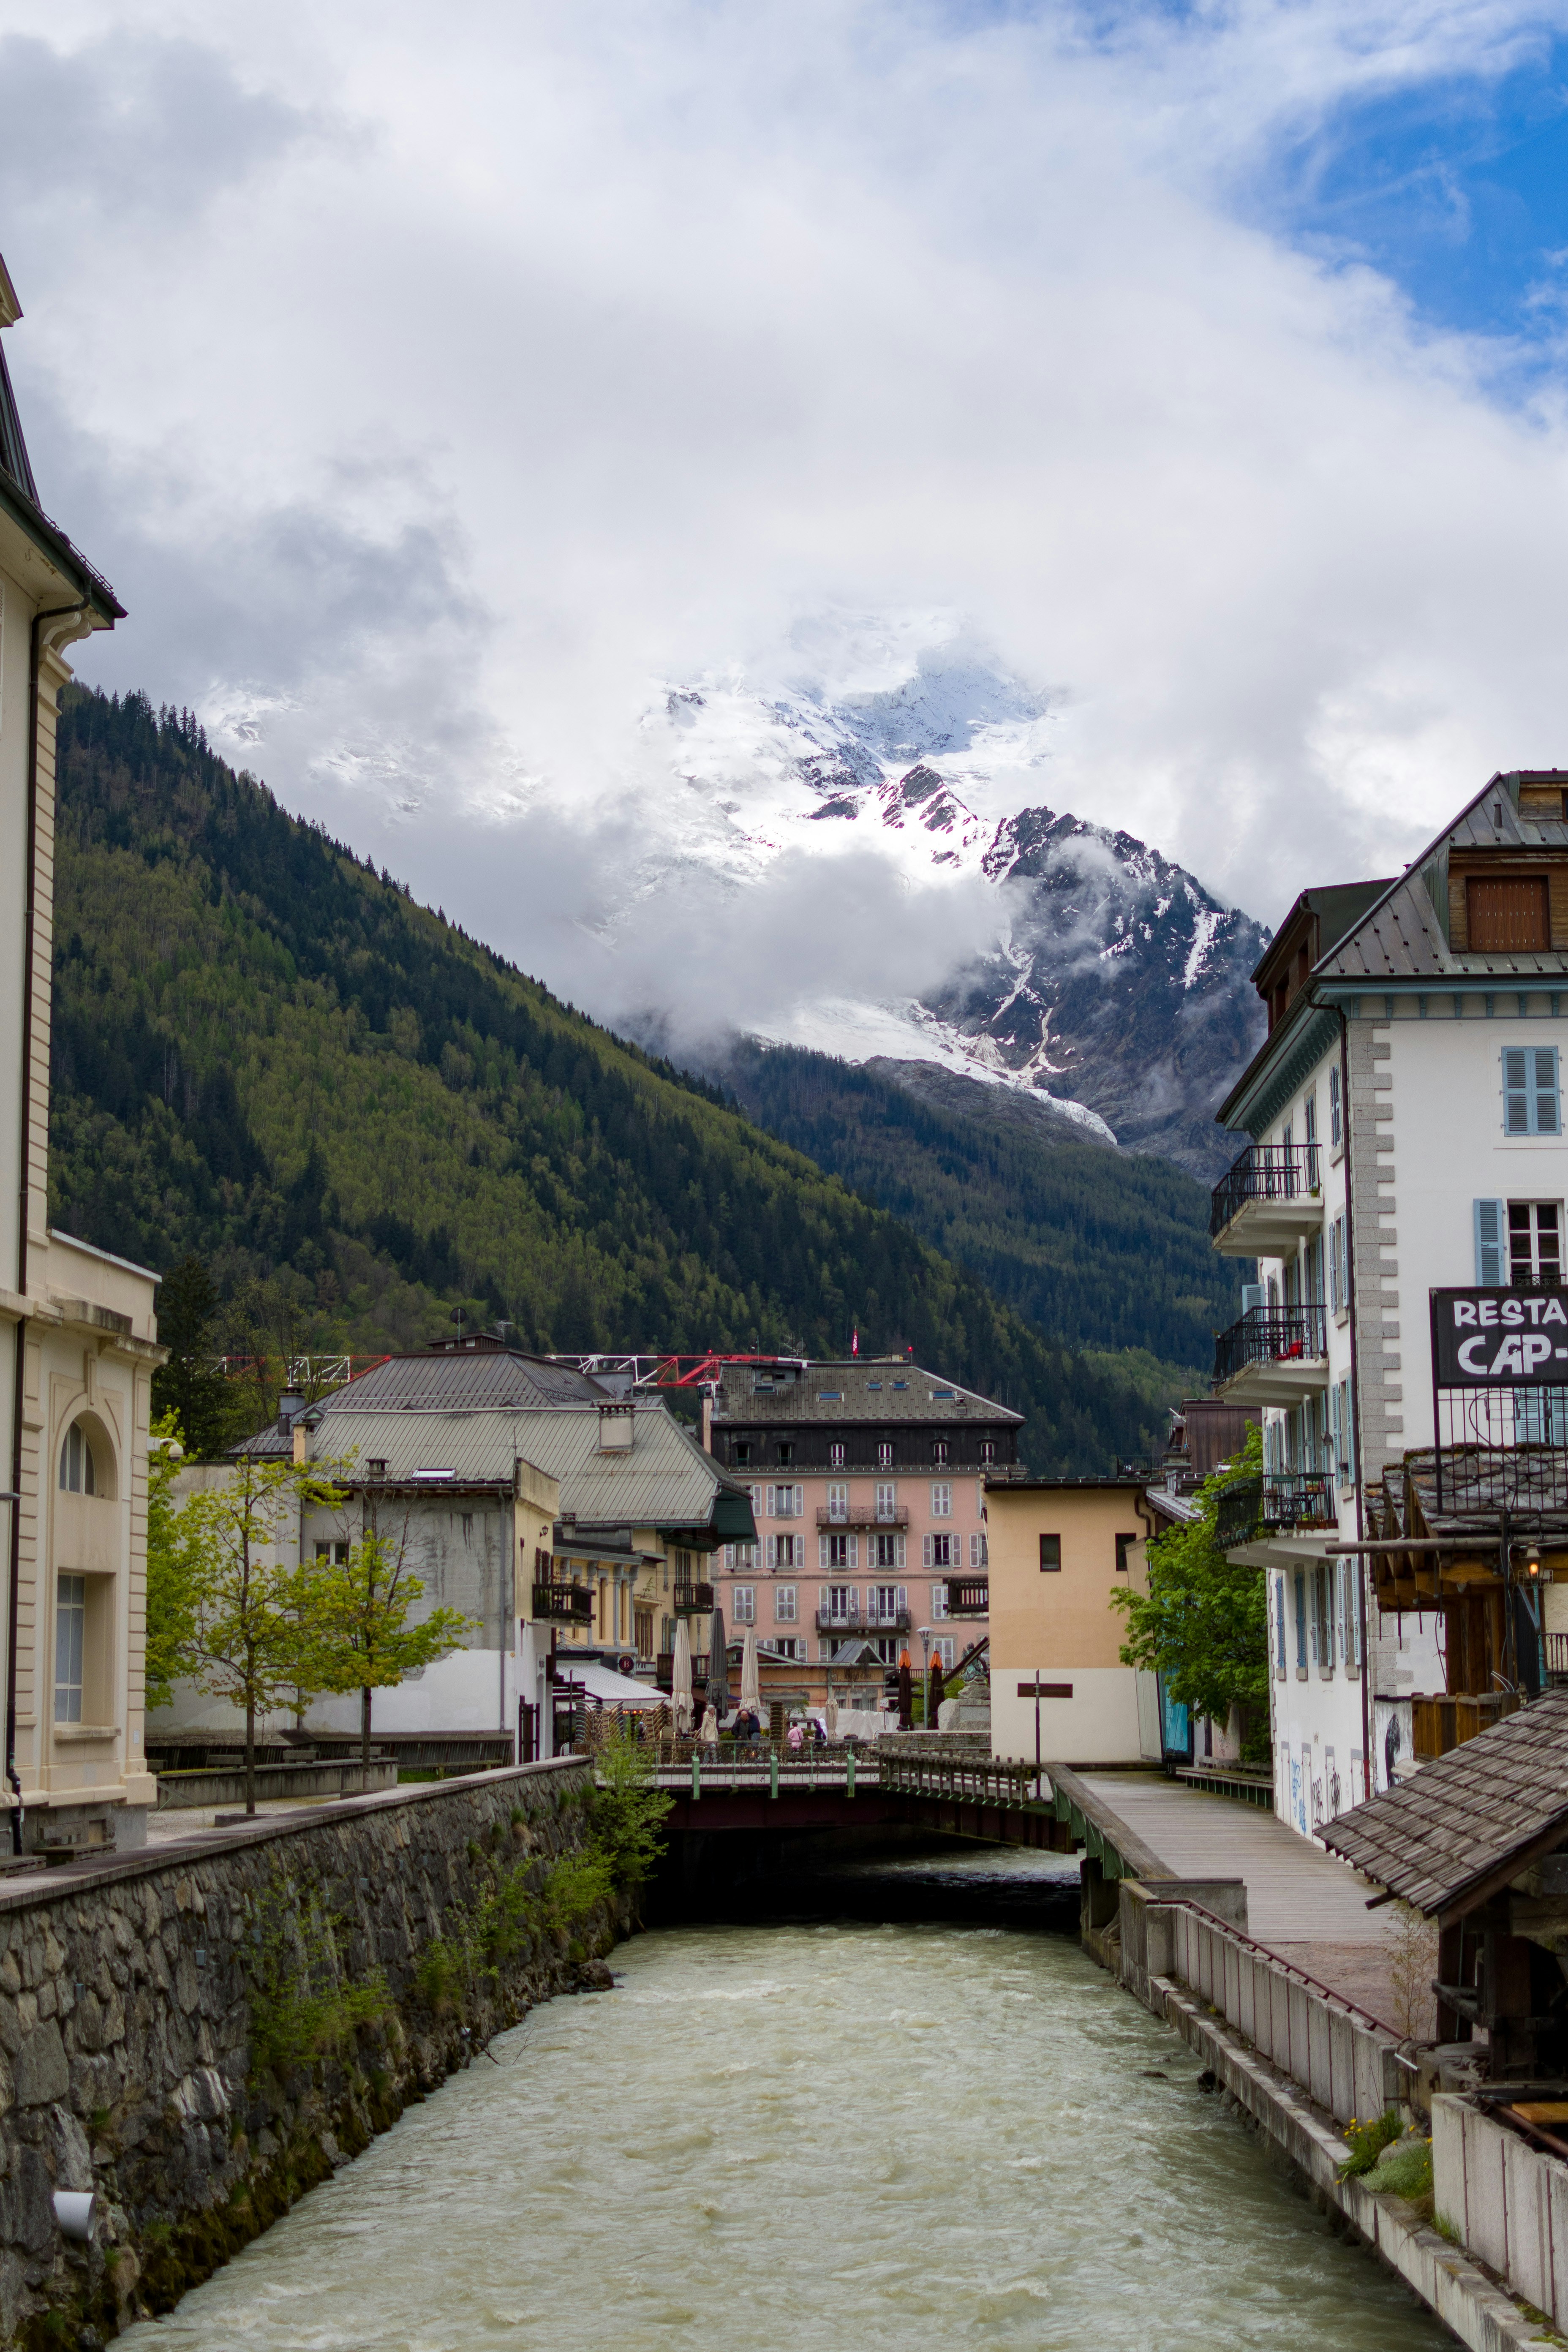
x=602, y=1682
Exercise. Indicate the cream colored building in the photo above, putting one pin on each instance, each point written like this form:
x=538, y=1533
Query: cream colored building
x=77, y=1334
x=1059, y=1549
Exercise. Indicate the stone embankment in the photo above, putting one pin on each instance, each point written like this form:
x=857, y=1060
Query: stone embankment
x=198, y=2034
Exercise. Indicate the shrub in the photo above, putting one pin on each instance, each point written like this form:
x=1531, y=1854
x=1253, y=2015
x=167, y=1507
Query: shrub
x=1366, y=2143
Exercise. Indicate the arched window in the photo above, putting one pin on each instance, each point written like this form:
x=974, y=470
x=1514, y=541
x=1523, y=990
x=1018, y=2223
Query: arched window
x=78, y=1472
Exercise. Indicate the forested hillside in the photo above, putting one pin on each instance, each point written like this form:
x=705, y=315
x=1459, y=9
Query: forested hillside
x=1111, y=1246
x=267, y=1054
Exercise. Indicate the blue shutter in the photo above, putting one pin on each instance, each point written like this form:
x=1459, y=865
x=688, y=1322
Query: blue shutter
x=1516, y=1089
x=1491, y=1225
x=1545, y=1103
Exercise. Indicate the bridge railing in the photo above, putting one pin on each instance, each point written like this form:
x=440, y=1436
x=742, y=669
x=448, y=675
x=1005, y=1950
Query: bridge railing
x=969, y=1780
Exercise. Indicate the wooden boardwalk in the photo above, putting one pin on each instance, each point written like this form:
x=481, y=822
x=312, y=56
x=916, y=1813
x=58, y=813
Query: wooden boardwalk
x=1300, y=1902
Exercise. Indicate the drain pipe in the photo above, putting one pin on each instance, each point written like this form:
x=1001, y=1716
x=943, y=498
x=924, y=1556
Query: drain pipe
x=29, y=935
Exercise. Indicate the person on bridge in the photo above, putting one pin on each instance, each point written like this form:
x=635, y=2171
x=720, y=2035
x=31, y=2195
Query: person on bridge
x=709, y=1735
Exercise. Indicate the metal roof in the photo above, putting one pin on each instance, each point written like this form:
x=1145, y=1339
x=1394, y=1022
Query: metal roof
x=663, y=1480
x=496, y=1377
x=855, y=1391
x=1468, y=1822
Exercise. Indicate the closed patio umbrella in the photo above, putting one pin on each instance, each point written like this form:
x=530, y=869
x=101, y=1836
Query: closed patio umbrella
x=680, y=1680
x=933, y=1694
x=718, y=1683
x=751, y=1679
x=906, y=1692
x=830, y=1714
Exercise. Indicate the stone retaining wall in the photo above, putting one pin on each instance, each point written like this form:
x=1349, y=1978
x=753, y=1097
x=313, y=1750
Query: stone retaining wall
x=200, y=2035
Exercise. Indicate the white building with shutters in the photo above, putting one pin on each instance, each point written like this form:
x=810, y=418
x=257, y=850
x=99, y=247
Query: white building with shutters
x=1405, y=1135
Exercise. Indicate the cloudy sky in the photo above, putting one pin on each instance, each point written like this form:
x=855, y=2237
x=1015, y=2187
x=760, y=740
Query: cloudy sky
x=431, y=383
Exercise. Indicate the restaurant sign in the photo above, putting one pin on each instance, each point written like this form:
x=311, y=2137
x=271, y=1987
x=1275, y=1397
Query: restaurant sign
x=1499, y=1338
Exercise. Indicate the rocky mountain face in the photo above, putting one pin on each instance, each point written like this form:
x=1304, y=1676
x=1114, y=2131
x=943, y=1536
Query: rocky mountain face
x=1117, y=986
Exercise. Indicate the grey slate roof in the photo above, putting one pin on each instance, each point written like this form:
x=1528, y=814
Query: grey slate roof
x=665, y=1480
x=1471, y=1820
x=856, y=1389
x=464, y=1382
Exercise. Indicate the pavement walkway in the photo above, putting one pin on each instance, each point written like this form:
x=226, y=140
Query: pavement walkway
x=1302, y=1902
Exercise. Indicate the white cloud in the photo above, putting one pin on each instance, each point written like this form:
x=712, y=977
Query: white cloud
x=430, y=383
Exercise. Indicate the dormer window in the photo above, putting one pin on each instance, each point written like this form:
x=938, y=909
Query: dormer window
x=1506, y=913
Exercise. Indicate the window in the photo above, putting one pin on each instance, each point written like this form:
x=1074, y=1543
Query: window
x=70, y=1645
x=783, y=1604
x=886, y=1502
x=1531, y=1105
x=786, y=1551
x=1124, y=1544
x=1339, y=1266
x=940, y=1552
x=1280, y=1657
x=838, y=1502
x=1510, y=912
x=79, y=1471
x=784, y=1502
x=1534, y=1241
x=739, y=1555
x=835, y=1552
x=835, y=1454
x=788, y=1646
x=887, y=1648
x=741, y=1452
x=884, y=1453
x=1050, y=1555
x=1310, y=1121
x=941, y=1501
x=1301, y=1620
x=945, y=1648
x=886, y=1603
x=1339, y=1446
x=988, y=1449
x=938, y=1453
x=1336, y=1123
x=839, y=1605
x=979, y=1552
x=885, y=1551
x=756, y=1494
x=938, y=1600
x=786, y=1451
x=1322, y=1620
x=744, y=1597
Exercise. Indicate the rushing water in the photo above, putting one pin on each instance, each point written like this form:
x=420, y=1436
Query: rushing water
x=887, y=2137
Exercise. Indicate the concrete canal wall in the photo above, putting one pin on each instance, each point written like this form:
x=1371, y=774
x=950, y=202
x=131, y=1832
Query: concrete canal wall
x=200, y=2033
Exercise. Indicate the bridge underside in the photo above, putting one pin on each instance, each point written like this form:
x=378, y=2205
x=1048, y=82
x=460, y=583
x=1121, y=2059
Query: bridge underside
x=792, y=1810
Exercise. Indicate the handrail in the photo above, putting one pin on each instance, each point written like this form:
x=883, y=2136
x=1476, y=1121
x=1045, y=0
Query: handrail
x=1271, y=1335
x=1265, y=1171
x=1267, y=1952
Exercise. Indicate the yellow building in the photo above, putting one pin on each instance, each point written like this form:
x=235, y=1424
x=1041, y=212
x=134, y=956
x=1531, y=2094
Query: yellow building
x=1061, y=1547
x=77, y=1338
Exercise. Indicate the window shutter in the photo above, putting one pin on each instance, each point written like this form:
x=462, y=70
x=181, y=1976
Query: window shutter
x=1516, y=1089
x=926, y=1556
x=1491, y=1225
x=1546, y=1106
x=904, y=1600
x=854, y=1552
x=822, y=1551
x=772, y=1551
x=854, y=1601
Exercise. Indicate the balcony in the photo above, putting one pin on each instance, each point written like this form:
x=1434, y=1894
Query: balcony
x=1270, y=1200
x=1275, y=1355
x=1282, y=1503
x=864, y=1621
x=692, y=1601
x=969, y=1596
x=562, y=1604
x=862, y=1515
x=1439, y=1724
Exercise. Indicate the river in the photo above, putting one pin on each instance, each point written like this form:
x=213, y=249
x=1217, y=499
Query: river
x=846, y=2136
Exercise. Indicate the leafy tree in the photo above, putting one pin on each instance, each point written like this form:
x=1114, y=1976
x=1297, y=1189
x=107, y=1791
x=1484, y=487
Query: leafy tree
x=190, y=1385
x=1204, y=1622
x=170, y=1567
x=251, y=1606
x=360, y=1637
x=627, y=1809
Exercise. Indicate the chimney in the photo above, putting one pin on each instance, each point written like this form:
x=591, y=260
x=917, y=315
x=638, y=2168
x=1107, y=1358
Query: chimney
x=707, y=1421
x=302, y=1438
x=615, y=1432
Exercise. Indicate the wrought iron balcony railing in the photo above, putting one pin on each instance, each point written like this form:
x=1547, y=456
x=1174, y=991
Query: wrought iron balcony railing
x=864, y=1621
x=564, y=1604
x=862, y=1515
x=1266, y=1172
x=1278, y=1502
x=969, y=1596
x=1271, y=1335
x=692, y=1601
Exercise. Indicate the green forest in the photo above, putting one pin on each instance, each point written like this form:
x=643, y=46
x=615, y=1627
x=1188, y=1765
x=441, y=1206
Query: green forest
x=269, y=1056
x=1112, y=1246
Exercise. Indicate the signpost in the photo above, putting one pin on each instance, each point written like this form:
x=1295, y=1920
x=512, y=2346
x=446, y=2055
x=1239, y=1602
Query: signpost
x=1037, y=1690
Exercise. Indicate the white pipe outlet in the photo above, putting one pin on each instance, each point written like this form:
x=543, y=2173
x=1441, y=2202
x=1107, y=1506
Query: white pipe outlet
x=73, y=2212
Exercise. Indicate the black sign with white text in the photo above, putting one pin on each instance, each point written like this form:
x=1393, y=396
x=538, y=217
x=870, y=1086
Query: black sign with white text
x=1497, y=1337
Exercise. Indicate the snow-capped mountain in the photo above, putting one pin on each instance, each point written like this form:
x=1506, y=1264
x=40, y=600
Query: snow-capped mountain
x=1107, y=978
